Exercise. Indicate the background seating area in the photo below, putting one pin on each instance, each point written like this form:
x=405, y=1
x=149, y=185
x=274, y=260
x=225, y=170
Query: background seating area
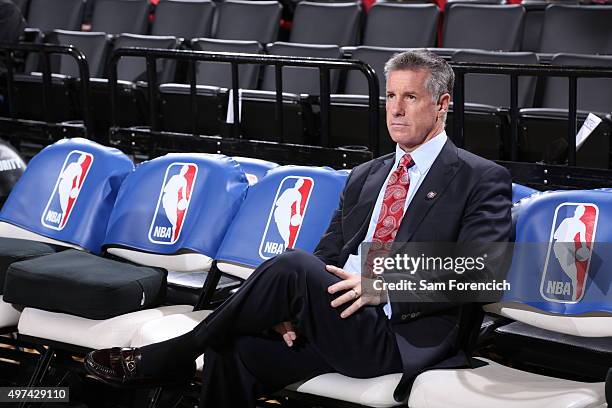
x=497, y=33
x=555, y=352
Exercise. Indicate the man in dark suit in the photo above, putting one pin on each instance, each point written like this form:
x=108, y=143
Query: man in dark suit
x=428, y=190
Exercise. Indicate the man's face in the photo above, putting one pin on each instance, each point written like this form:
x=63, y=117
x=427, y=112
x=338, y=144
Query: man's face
x=412, y=115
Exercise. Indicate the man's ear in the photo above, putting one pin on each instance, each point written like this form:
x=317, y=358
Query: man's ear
x=443, y=103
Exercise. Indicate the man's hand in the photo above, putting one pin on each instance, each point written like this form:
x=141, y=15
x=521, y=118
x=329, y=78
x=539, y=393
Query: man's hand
x=351, y=284
x=286, y=330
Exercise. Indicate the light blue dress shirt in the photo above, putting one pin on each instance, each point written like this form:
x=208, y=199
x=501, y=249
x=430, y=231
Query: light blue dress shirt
x=423, y=157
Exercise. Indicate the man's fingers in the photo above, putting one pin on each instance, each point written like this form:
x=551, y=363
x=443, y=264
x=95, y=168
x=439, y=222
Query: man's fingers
x=339, y=272
x=352, y=308
x=340, y=286
x=346, y=297
x=288, y=339
x=289, y=330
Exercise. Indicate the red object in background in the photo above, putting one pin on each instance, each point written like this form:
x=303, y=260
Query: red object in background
x=367, y=4
x=286, y=24
x=152, y=13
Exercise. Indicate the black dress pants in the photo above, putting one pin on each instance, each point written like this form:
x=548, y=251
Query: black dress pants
x=240, y=363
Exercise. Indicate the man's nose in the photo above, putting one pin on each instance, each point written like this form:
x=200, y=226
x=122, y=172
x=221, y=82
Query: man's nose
x=396, y=108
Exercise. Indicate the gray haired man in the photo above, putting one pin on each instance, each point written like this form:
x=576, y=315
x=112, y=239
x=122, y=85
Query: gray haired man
x=300, y=315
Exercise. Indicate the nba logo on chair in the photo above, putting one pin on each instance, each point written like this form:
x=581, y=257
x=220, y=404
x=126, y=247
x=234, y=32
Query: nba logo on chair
x=569, y=252
x=67, y=188
x=286, y=215
x=173, y=203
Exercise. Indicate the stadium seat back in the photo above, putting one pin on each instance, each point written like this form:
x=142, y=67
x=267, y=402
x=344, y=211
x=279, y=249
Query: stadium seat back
x=401, y=25
x=495, y=89
x=49, y=15
x=134, y=68
x=290, y=207
x=219, y=73
x=520, y=191
x=594, y=94
x=183, y=19
x=177, y=204
x=93, y=45
x=68, y=192
x=254, y=169
x=561, y=261
x=491, y=27
x=121, y=16
x=300, y=80
x=577, y=29
x=336, y=23
x=247, y=20
x=376, y=57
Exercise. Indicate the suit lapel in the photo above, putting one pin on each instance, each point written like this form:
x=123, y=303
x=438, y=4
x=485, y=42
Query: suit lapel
x=437, y=180
x=367, y=198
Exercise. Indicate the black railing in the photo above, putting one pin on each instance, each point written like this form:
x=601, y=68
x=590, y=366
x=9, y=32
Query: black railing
x=514, y=71
x=46, y=50
x=323, y=64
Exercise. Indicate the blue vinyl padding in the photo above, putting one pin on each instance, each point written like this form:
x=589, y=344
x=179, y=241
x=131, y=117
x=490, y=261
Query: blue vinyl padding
x=177, y=203
x=68, y=191
x=267, y=223
x=562, y=261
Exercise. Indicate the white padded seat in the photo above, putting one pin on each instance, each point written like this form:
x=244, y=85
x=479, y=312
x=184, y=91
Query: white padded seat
x=96, y=334
x=9, y=316
x=12, y=231
x=168, y=327
x=370, y=392
x=495, y=385
x=586, y=325
x=239, y=271
x=191, y=262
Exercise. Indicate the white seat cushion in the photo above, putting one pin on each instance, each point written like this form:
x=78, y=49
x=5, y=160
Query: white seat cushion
x=495, y=385
x=12, y=231
x=9, y=316
x=115, y=332
x=371, y=392
x=191, y=262
x=169, y=327
x=239, y=271
x=586, y=325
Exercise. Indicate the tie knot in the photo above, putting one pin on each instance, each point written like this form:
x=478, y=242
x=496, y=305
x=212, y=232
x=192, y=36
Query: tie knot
x=406, y=161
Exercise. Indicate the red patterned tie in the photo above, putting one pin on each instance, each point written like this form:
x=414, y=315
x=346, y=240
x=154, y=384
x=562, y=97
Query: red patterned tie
x=391, y=211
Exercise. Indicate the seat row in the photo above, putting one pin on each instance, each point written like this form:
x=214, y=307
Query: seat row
x=104, y=239
x=487, y=132
x=492, y=27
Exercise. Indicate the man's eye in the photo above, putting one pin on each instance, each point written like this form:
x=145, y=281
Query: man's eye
x=411, y=97
x=389, y=96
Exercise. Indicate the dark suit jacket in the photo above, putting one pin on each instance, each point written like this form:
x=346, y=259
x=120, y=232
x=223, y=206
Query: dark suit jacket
x=472, y=204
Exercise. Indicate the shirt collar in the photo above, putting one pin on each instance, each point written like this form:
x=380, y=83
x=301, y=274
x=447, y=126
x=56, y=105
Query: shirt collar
x=424, y=155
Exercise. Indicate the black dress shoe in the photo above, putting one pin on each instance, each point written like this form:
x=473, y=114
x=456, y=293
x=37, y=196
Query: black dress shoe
x=121, y=367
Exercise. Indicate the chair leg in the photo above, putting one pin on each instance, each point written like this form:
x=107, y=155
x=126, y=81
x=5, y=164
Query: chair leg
x=40, y=371
x=609, y=388
x=41, y=367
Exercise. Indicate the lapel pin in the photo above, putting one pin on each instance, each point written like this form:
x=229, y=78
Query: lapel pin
x=431, y=195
